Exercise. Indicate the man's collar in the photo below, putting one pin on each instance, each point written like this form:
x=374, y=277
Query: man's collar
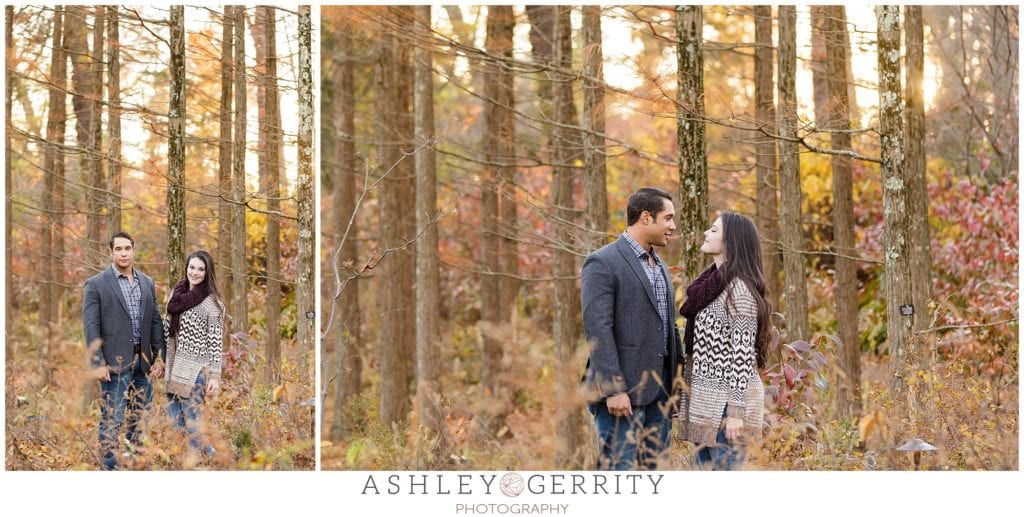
x=118, y=273
x=637, y=248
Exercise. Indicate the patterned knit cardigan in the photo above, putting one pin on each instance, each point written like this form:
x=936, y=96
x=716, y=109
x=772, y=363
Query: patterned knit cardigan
x=721, y=374
x=197, y=346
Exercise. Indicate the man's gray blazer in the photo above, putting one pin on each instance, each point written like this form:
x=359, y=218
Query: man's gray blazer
x=622, y=326
x=105, y=318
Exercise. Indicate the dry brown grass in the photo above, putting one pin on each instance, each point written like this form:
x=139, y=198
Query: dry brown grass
x=972, y=420
x=53, y=425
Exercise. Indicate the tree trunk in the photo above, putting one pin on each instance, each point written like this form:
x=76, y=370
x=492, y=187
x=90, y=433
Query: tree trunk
x=176, y=151
x=258, y=30
x=792, y=196
x=114, y=118
x=819, y=64
x=348, y=359
x=767, y=177
x=496, y=115
x=270, y=182
x=851, y=87
x=1003, y=58
x=542, y=30
x=843, y=223
x=60, y=171
x=97, y=185
x=305, y=296
x=394, y=370
x=916, y=171
x=8, y=276
x=820, y=26
x=692, y=148
x=225, y=210
x=406, y=173
x=504, y=113
x=77, y=48
x=82, y=79
x=427, y=273
x=566, y=293
x=53, y=166
x=595, y=171
x=898, y=292
x=239, y=308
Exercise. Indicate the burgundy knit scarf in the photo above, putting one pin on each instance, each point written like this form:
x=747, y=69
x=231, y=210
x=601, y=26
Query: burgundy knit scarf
x=699, y=295
x=183, y=299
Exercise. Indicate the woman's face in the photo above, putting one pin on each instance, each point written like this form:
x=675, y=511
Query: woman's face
x=196, y=271
x=713, y=242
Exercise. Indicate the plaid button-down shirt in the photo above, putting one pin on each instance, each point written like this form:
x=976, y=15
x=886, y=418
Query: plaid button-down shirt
x=132, y=291
x=657, y=279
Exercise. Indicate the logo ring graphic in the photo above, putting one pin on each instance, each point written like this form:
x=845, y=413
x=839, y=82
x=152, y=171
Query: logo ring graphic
x=512, y=484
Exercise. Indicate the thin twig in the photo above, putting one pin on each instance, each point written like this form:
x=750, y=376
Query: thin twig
x=966, y=326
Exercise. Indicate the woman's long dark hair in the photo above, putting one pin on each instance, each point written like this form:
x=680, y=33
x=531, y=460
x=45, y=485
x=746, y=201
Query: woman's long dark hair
x=743, y=261
x=211, y=275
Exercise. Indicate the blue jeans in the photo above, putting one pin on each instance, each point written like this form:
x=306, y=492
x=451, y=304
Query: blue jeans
x=186, y=412
x=127, y=394
x=634, y=442
x=723, y=456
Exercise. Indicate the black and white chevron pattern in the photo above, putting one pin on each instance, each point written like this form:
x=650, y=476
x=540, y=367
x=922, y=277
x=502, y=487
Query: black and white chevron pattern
x=722, y=373
x=197, y=346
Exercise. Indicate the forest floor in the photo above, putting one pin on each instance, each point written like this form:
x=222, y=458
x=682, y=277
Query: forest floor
x=53, y=424
x=972, y=419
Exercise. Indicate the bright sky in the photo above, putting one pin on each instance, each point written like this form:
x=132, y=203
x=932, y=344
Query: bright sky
x=620, y=49
x=133, y=129
x=199, y=19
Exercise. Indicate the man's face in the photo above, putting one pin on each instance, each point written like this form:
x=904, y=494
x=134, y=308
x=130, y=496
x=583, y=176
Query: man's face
x=659, y=228
x=122, y=254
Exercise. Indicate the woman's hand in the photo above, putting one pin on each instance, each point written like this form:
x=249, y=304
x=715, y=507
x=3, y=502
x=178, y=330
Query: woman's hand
x=101, y=373
x=157, y=370
x=212, y=387
x=733, y=428
x=619, y=405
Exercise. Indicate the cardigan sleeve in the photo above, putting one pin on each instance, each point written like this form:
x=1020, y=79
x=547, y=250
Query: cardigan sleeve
x=215, y=335
x=742, y=314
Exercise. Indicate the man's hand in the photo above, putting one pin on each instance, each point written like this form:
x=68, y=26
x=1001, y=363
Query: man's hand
x=733, y=428
x=157, y=370
x=101, y=373
x=212, y=387
x=618, y=405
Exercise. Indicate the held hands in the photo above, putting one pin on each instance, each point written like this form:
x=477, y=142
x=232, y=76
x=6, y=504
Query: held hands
x=101, y=373
x=733, y=428
x=212, y=387
x=619, y=405
x=157, y=370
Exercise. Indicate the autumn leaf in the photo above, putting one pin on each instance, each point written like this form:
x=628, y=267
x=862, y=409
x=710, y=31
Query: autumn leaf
x=790, y=375
x=868, y=423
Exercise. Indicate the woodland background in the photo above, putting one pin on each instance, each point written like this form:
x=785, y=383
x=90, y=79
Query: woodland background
x=190, y=128
x=473, y=156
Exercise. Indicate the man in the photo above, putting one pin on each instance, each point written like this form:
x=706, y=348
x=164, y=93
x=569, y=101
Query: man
x=628, y=320
x=125, y=338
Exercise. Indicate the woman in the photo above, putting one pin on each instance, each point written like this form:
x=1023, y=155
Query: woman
x=193, y=330
x=726, y=337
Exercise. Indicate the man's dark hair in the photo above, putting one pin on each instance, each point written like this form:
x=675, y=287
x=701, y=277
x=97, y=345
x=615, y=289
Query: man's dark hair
x=121, y=235
x=646, y=199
